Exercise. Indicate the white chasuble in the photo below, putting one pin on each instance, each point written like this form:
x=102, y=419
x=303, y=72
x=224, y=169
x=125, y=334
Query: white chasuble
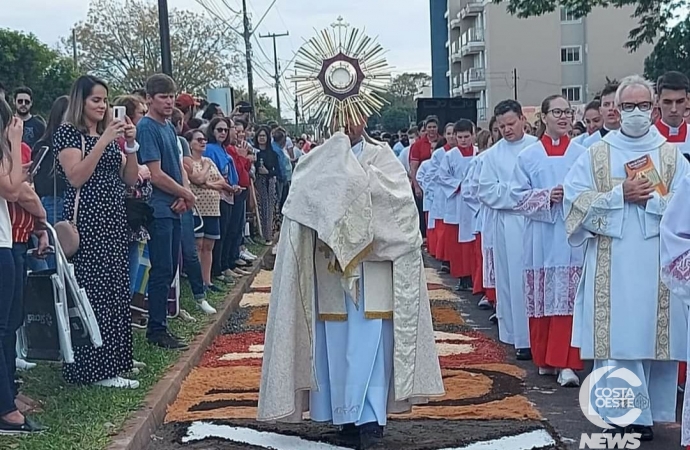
x=495, y=192
x=346, y=256
x=552, y=267
x=675, y=266
x=622, y=310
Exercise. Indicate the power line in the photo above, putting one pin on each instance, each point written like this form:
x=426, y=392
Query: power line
x=274, y=36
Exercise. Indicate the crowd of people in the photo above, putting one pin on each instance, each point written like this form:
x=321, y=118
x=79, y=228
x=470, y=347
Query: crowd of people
x=166, y=180
x=576, y=234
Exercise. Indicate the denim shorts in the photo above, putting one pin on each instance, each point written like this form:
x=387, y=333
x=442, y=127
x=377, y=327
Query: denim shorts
x=209, y=230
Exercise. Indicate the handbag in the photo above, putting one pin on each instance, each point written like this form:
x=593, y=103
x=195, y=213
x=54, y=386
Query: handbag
x=139, y=213
x=66, y=230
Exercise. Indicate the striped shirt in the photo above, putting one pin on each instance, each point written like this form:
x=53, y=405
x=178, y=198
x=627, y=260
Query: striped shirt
x=22, y=221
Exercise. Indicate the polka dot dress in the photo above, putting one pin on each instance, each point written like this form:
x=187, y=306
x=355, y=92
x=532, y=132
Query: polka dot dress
x=101, y=264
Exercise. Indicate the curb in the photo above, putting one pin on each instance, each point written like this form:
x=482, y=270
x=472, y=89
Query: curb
x=137, y=431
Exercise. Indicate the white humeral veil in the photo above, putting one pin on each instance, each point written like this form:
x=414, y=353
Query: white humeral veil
x=360, y=213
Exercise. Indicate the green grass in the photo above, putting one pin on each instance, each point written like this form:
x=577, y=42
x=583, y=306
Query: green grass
x=85, y=418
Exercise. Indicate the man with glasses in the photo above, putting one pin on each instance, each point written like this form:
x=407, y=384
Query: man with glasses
x=672, y=99
x=34, y=126
x=624, y=318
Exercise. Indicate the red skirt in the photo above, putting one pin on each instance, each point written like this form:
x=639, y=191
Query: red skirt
x=430, y=237
x=461, y=256
x=490, y=294
x=478, y=272
x=550, y=343
x=442, y=251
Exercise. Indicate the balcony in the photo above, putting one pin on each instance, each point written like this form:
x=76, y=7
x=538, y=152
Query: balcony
x=455, y=23
x=472, y=42
x=472, y=9
x=481, y=114
x=455, y=54
x=474, y=81
x=456, y=86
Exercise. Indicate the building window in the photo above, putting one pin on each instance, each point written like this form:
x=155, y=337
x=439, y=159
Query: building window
x=572, y=93
x=571, y=55
x=567, y=16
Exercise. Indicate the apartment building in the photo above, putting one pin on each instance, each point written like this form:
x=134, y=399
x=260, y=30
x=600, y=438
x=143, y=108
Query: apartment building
x=493, y=55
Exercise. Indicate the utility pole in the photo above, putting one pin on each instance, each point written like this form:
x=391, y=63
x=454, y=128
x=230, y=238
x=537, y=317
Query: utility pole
x=247, y=34
x=276, y=75
x=74, y=49
x=515, y=84
x=164, y=25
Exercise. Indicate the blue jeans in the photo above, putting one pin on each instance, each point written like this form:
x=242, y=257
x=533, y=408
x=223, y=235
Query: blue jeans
x=164, y=253
x=133, y=265
x=190, y=258
x=54, y=208
x=236, y=229
x=8, y=334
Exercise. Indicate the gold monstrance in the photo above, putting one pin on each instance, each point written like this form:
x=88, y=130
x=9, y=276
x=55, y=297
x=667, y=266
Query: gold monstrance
x=344, y=72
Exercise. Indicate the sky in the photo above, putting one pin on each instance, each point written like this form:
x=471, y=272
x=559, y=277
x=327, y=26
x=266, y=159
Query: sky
x=408, y=46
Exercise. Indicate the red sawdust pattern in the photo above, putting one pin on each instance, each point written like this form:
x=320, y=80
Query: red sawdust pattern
x=435, y=286
x=232, y=343
x=264, y=290
x=485, y=351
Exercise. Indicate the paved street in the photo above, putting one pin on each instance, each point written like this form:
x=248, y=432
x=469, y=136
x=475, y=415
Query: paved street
x=492, y=401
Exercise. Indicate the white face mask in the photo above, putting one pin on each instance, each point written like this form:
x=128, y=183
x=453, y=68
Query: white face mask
x=636, y=123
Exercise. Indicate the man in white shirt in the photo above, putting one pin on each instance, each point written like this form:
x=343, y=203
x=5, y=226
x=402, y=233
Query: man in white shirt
x=624, y=317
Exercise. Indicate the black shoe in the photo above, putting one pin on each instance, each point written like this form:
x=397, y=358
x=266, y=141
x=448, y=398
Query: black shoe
x=523, y=354
x=167, y=340
x=646, y=433
x=348, y=430
x=458, y=287
x=370, y=436
x=493, y=318
x=28, y=427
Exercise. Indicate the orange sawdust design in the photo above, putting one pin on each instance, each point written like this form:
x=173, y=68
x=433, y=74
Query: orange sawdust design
x=516, y=407
x=446, y=315
x=199, y=388
x=258, y=316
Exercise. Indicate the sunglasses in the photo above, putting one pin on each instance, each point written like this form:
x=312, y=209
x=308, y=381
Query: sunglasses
x=24, y=102
x=222, y=130
x=201, y=140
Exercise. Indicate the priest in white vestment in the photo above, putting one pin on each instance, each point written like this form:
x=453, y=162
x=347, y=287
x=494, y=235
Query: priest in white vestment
x=611, y=115
x=624, y=316
x=349, y=335
x=494, y=191
x=552, y=268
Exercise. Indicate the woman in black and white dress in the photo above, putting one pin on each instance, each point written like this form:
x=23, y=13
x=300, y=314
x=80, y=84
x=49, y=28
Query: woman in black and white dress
x=99, y=177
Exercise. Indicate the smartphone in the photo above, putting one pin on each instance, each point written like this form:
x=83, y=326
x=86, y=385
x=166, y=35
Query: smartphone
x=36, y=163
x=119, y=113
x=245, y=109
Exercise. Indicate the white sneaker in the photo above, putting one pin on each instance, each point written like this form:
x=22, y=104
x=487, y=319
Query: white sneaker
x=246, y=254
x=546, y=371
x=138, y=364
x=484, y=303
x=118, y=383
x=206, y=308
x=24, y=365
x=568, y=378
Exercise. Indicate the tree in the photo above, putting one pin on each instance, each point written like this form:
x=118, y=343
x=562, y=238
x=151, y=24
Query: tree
x=120, y=42
x=671, y=52
x=652, y=15
x=405, y=86
x=396, y=118
x=265, y=111
x=26, y=61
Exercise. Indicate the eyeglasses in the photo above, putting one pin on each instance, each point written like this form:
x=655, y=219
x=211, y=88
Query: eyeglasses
x=21, y=101
x=222, y=130
x=643, y=106
x=201, y=140
x=558, y=113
